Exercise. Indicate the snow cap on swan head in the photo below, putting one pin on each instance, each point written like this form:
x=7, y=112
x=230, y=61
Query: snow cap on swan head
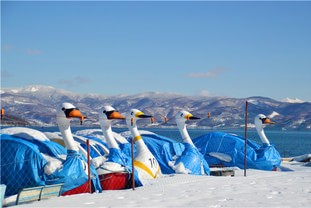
x=68, y=110
x=262, y=120
x=108, y=113
x=185, y=116
x=135, y=113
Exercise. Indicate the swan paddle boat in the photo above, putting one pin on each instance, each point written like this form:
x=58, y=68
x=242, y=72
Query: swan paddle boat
x=191, y=161
x=145, y=163
x=173, y=156
x=75, y=168
x=225, y=149
x=115, y=173
x=45, y=162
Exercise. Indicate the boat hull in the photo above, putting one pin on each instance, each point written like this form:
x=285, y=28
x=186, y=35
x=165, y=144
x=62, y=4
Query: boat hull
x=115, y=181
x=84, y=188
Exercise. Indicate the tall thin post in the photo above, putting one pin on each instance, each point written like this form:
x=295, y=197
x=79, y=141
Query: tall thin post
x=132, y=150
x=89, y=165
x=245, y=143
x=2, y=113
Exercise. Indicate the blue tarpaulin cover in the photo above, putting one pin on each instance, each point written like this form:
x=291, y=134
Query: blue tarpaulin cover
x=74, y=173
x=165, y=150
x=193, y=161
x=220, y=148
x=22, y=165
x=48, y=147
x=169, y=153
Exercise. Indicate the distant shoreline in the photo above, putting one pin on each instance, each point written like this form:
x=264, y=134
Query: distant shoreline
x=165, y=127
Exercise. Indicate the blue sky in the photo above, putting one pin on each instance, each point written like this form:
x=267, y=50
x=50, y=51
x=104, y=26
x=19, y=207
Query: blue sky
x=235, y=49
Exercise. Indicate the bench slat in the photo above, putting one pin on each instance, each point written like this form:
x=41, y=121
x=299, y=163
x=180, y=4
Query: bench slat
x=37, y=193
x=28, y=195
x=51, y=191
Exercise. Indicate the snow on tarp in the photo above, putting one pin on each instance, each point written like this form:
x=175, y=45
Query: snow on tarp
x=191, y=162
x=98, y=133
x=40, y=139
x=230, y=149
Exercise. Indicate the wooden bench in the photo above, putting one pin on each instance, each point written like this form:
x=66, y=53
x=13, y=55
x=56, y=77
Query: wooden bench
x=37, y=193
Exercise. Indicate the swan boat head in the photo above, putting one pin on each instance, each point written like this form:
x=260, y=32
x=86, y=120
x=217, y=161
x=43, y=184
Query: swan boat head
x=65, y=113
x=133, y=115
x=181, y=118
x=106, y=114
x=261, y=121
x=116, y=161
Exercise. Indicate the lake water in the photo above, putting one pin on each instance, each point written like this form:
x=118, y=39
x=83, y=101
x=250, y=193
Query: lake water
x=288, y=143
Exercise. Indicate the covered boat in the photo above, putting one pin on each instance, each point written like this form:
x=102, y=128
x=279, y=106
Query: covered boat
x=23, y=165
x=224, y=149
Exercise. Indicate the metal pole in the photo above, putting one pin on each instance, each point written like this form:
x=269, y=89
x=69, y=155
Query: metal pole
x=132, y=150
x=89, y=166
x=2, y=113
x=245, y=143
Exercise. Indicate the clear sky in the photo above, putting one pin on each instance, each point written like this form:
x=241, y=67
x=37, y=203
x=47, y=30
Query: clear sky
x=235, y=49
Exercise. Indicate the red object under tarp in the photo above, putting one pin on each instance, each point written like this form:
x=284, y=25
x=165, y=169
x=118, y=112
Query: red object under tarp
x=84, y=188
x=115, y=181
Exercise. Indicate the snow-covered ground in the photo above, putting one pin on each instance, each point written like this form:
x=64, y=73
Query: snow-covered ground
x=257, y=189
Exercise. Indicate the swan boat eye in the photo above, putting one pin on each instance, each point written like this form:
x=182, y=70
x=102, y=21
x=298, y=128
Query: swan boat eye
x=67, y=111
x=108, y=113
x=263, y=119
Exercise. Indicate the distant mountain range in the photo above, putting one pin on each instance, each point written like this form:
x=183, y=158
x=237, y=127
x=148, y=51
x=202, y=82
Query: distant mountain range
x=36, y=105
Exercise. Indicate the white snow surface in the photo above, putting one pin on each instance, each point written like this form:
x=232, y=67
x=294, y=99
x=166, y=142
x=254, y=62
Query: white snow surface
x=258, y=189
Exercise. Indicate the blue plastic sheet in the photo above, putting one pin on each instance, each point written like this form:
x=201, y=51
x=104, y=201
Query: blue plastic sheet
x=22, y=165
x=230, y=149
x=169, y=153
x=193, y=161
x=74, y=173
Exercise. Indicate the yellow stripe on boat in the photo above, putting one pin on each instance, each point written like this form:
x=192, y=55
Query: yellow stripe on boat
x=144, y=167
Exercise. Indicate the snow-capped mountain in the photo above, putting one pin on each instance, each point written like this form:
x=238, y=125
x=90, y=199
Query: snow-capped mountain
x=290, y=100
x=36, y=105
